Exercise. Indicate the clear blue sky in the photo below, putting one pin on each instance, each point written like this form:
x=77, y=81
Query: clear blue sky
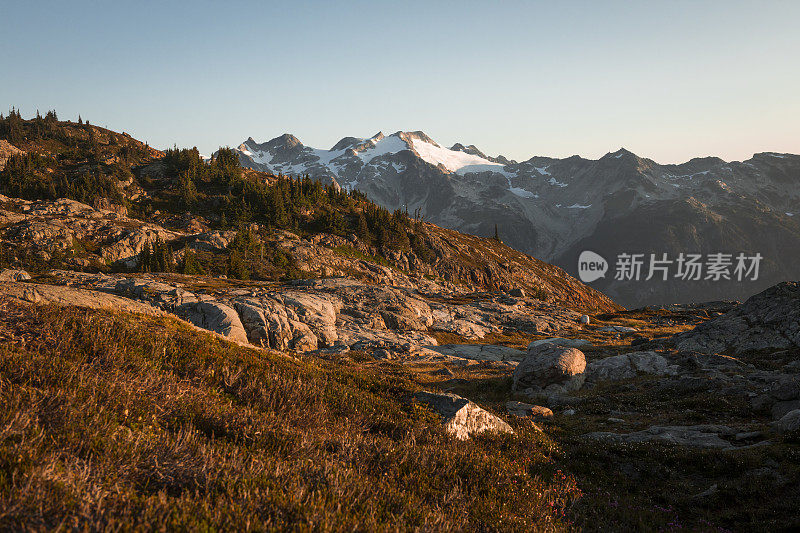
x=669, y=80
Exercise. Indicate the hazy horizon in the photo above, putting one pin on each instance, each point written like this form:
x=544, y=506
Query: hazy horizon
x=518, y=79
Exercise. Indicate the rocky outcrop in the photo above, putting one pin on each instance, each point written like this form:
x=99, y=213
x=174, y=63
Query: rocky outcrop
x=461, y=417
x=768, y=320
x=629, y=365
x=269, y=323
x=65, y=227
x=550, y=369
x=129, y=243
x=60, y=295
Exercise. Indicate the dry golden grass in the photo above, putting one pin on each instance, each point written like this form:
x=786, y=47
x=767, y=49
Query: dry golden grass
x=115, y=421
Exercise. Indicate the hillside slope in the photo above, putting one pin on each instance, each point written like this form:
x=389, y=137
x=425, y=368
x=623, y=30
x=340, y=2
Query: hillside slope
x=146, y=210
x=117, y=420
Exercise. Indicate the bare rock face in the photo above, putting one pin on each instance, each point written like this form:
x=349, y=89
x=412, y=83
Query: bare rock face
x=628, y=365
x=768, y=320
x=216, y=317
x=461, y=417
x=550, y=368
x=269, y=323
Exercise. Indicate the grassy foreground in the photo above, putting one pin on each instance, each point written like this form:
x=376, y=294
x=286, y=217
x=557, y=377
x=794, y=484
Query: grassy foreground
x=114, y=421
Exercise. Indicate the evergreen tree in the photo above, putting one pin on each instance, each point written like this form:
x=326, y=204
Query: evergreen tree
x=145, y=258
x=191, y=265
x=362, y=228
x=187, y=191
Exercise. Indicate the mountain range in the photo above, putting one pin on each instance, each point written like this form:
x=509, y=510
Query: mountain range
x=556, y=208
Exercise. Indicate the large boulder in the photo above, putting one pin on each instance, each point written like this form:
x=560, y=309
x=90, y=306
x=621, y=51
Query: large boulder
x=461, y=417
x=214, y=316
x=768, y=320
x=629, y=365
x=550, y=368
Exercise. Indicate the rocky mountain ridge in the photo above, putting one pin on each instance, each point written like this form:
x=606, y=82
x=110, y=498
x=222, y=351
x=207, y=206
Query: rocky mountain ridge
x=556, y=208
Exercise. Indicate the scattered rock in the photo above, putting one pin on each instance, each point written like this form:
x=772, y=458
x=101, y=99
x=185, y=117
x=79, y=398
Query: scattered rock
x=528, y=410
x=585, y=320
x=461, y=417
x=14, y=275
